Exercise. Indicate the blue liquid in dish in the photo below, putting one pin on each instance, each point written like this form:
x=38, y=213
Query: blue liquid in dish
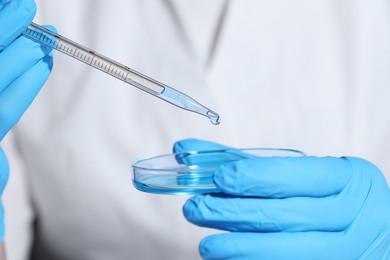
x=191, y=183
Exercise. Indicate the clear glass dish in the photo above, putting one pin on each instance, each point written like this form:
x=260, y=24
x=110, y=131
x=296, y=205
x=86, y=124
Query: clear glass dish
x=192, y=172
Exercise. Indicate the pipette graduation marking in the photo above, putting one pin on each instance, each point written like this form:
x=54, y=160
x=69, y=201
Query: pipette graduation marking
x=44, y=36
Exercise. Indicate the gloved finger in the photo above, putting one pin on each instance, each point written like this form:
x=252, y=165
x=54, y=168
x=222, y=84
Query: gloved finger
x=15, y=16
x=191, y=144
x=293, y=214
x=207, y=154
x=211, y=159
x=360, y=241
x=307, y=245
x=20, y=56
x=281, y=177
x=187, y=152
x=16, y=98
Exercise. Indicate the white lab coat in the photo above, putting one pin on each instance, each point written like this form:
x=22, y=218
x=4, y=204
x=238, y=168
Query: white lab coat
x=308, y=75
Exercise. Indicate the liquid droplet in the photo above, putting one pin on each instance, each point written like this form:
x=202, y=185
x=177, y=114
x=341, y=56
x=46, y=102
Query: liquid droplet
x=214, y=117
x=215, y=121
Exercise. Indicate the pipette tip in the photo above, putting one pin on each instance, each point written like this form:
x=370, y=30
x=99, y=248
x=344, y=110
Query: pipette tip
x=214, y=117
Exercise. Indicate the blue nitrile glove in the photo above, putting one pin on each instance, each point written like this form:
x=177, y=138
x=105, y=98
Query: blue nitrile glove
x=211, y=156
x=294, y=208
x=24, y=68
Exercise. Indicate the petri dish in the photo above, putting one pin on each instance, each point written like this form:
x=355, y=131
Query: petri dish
x=192, y=172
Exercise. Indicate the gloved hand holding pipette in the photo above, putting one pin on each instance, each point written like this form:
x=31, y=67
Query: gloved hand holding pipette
x=294, y=208
x=24, y=68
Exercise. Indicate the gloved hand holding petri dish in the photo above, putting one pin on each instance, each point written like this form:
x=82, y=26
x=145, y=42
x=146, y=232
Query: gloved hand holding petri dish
x=191, y=172
x=306, y=207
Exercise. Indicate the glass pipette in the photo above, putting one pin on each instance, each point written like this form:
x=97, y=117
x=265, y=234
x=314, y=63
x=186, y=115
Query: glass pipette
x=44, y=36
